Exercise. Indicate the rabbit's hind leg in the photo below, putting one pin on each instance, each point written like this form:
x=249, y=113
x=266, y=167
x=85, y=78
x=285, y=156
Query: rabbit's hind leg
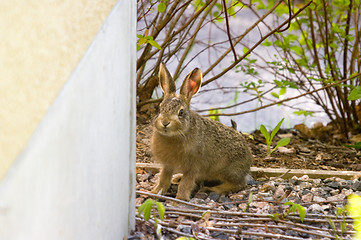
x=225, y=187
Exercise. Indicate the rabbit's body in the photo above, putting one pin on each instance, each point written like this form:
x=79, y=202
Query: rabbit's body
x=204, y=151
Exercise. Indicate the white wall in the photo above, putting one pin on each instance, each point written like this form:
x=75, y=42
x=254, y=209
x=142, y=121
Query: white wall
x=75, y=178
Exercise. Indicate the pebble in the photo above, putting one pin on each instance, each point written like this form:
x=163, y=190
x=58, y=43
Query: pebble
x=280, y=191
x=307, y=198
x=318, y=199
x=315, y=208
x=213, y=196
x=334, y=192
x=184, y=228
x=334, y=185
x=356, y=186
x=336, y=198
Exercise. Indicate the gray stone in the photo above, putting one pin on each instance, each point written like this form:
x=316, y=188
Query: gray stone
x=334, y=185
x=315, y=208
x=213, y=196
x=356, y=186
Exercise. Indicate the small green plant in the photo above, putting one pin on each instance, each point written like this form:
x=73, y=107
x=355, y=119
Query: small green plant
x=185, y=238
x=250, y=199
x=356, y=145
x=353, y=208
x=147, y=207
x=293, y=207
x=269, y=137
x=343, y=224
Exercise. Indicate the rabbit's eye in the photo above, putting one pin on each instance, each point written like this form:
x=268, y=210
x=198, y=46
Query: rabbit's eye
x=181, y=112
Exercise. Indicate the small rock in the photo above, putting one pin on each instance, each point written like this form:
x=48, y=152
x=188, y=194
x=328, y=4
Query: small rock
x=279, y=192
x=307, y=198
x=260, y=207
x=316, y=208
x=326, y=207
x=213, y=196
x=316, y=182
x=268, y=186
x=184, y=228
x=305, y=191
x=334, y=185
x=346, y=192
x=356, y=186
x=304, y=178
x=327, y=180
x=294, y=178
x=224, y=199
x=338, y=197
x=334, y=192
x=201, y=195
x=243, y=206
x=219, y=235
x=286, y=150
x=305, y=185
x=318, y=199
x=294, y=181
x=305, y=150
x=197, y=201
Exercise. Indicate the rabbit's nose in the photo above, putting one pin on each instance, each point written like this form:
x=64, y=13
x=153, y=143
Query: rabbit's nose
x=165, y=123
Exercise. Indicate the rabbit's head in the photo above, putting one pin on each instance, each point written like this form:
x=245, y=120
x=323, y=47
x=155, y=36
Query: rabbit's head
x=174, y=117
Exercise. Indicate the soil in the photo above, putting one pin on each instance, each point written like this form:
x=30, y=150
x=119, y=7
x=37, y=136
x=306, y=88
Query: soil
x=324, y=151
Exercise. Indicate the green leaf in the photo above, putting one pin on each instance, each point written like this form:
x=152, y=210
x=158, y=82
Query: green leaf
x=302, y=212
x=146, y=208
x=266, y=43
x=142, y=41
x=161, y=210
x=245, y=50
x=303, y=112
x=282, y=91
x=283, y=142
x=274, y=216
x=265, y=133
x=276, y=129
x=275, y=95
x=355, y=93
x=154, y=44
x=162, y=7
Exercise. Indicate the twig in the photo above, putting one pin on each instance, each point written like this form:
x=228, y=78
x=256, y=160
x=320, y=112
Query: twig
x=228, y=30
x=284, y=100
x=171, y=199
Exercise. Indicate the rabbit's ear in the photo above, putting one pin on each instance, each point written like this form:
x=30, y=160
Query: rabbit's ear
x=191, y=84
x=166, y=81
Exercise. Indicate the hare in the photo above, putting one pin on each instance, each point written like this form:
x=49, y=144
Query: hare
x=203, y=150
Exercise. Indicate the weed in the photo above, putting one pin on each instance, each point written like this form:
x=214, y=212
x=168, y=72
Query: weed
x=282, y=142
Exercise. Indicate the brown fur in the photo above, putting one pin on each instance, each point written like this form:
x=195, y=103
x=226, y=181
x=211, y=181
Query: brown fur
x=199, y=148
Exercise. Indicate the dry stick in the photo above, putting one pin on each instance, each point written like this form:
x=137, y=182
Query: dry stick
x=166, y=228
x=171, y=199
x=238, y=232
x=228, y=30
x=187, y=212
x=192, y=39
x=241, y=37
x=284, y=100
x=254, y=46
x=312, y=227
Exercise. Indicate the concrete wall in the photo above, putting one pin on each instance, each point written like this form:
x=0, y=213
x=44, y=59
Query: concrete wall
x=75, y=177
x=41, y=43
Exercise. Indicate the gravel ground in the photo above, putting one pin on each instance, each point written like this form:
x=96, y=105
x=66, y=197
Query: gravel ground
x=260, y=211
